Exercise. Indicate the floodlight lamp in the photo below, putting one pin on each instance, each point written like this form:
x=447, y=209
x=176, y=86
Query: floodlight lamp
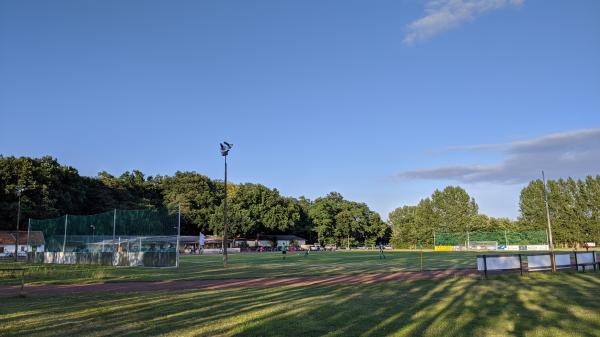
x=225, y=147
x=19, y=190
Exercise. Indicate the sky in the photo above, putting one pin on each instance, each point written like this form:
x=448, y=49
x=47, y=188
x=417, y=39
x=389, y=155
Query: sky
x=383, y=101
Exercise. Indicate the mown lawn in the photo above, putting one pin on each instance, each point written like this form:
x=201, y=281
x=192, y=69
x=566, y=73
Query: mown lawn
x=249, y=265
x=541, y=304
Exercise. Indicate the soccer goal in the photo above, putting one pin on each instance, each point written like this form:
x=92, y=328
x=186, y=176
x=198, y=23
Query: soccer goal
x=483, y=245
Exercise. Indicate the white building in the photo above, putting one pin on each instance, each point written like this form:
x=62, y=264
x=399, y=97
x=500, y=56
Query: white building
x=35, y=242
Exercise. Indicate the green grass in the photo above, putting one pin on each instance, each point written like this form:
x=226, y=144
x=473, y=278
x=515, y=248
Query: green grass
x=245, y=266
x=541, y=304
x=248, y=266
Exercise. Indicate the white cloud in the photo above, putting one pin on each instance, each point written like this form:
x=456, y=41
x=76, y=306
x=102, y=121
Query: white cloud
x=566, y=154
x=443, y=15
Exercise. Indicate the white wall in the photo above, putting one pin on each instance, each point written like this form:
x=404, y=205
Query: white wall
x=10, y=249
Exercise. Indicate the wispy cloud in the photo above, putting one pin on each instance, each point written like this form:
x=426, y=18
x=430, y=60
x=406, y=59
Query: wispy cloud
x=573, y=153
x=443, y=15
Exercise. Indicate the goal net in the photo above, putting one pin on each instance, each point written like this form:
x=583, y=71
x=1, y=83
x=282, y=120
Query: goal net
x=483, y=245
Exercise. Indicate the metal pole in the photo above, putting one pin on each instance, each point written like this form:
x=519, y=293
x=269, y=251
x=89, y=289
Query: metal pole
x=468, y=241
x=65, y=237
x=225, y=219
x=550, y=242
x=17, y=232
x=506, y=239
x=485, y=265
x=421, y=246
x=28, y=231
x=433, y=240
x=178, y=233
x=114, y=230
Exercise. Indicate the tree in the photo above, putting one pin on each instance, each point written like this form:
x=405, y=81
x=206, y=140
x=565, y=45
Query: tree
x=453, y=210
x=574, y=209
x=255, y=209
x=338, y=221
x=403, y=223
x=197, y=195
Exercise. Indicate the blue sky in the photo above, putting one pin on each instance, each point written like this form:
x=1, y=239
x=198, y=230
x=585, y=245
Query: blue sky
x=383, y=101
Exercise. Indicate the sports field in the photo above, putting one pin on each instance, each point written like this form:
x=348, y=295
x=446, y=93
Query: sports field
x=255, y=265
x=538, y=304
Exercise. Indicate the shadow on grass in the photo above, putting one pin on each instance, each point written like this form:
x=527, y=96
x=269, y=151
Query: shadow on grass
x=506, y=305
x=250, y=266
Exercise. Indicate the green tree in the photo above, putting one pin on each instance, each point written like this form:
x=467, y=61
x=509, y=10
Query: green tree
x=453, y=210
x=403, y=223
x=197, y=195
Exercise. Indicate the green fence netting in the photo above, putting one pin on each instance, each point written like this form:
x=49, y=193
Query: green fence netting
x=81, y=238
x=505, y=238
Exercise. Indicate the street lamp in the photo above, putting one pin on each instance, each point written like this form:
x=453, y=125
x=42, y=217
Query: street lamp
x=225, y=147
x=19, y=190
x=93, y=232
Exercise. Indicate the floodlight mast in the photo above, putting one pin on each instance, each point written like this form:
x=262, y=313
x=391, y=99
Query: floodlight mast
x=225, y=147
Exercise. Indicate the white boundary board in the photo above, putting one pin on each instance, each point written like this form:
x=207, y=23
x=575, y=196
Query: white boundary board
x=585, y=258
x=562, y=260
x=499, y=263
x=538, y=262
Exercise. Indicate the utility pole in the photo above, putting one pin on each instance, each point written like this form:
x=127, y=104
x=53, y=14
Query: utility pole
x=19, y=191
x=225, y=147
x=550, y=242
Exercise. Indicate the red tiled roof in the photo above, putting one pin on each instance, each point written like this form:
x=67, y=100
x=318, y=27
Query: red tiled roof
x=8, y=237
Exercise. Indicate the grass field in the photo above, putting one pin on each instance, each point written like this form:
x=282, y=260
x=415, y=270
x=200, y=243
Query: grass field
x=541, y=304
x=252, y=265
x=247, y=266
x=537, y=304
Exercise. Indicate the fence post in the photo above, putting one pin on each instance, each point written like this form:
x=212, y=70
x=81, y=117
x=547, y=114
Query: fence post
x=594, y=259
x=421, y=246
x=485, y=265
x=468, y=241
x=65, y=236
x=576, y=264
x=521, y=264
x=22, y=280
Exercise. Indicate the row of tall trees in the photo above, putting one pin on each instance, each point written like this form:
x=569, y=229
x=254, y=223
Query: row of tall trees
x=451, y=210
x=53, y=189
x=574, y=211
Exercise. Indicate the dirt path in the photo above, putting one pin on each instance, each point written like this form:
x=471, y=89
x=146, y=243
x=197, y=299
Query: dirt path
x=64, y=289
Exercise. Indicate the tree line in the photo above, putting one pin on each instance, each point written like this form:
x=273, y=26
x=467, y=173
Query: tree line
x=52, y=190
x=574, y=212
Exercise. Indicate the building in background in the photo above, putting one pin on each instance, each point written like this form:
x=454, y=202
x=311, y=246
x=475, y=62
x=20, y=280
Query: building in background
x=35, y=243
